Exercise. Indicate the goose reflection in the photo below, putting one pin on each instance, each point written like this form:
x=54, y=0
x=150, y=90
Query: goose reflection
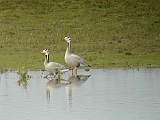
x=54, y=83
x=77, y=80
x=74, y=81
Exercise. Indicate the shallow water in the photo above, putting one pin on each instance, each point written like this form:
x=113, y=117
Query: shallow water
x=108, y=94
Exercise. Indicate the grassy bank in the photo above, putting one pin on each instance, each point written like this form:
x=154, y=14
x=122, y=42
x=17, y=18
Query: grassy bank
x=105, y=33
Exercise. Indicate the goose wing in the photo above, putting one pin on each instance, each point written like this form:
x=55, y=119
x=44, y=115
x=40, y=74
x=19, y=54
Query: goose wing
x=59, y=66
x=56, y=65
x=79, y=59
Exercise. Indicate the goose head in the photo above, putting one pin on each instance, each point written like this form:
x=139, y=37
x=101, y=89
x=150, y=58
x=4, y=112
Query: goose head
x=68, y=39
x=45, y=52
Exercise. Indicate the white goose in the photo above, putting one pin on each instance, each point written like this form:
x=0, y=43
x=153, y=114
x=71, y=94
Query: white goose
x=52, y=67
x=73, y=60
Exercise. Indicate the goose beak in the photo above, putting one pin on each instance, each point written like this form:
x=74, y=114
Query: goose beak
x=42, y=53
x=63, y=39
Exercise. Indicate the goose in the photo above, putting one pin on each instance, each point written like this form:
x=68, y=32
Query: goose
x=73, y=60
x=52, y=67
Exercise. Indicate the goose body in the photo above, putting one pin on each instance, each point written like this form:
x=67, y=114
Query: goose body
x=52, y=67
x=73, y=60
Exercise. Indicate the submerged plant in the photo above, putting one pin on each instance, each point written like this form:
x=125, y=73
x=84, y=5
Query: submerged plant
x=24, y=77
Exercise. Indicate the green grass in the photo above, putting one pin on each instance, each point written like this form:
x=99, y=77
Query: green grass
x=105, y=33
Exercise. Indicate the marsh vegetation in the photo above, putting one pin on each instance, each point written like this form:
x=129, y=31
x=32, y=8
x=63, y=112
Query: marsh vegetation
x=23, y=77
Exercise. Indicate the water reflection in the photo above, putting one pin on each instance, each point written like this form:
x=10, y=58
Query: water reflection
x=69, y=83
x=54, y=83
x=74, y=81
x=23, y=82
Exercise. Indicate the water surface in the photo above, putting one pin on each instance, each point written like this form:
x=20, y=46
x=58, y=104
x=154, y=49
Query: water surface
x=108, y=94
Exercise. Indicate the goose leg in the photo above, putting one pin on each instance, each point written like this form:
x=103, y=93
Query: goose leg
x=76, y=71
x=72, y=71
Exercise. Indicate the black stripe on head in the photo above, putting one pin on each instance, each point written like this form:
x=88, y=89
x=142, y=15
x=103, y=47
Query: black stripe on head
x=68, y=38
x=46, y=50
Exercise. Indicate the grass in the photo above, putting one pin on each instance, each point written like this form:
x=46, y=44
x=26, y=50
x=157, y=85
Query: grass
x=106, y=33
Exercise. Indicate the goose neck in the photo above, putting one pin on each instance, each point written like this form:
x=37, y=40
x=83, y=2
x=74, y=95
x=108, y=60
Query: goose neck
x=68, y=50
x=47, y=59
